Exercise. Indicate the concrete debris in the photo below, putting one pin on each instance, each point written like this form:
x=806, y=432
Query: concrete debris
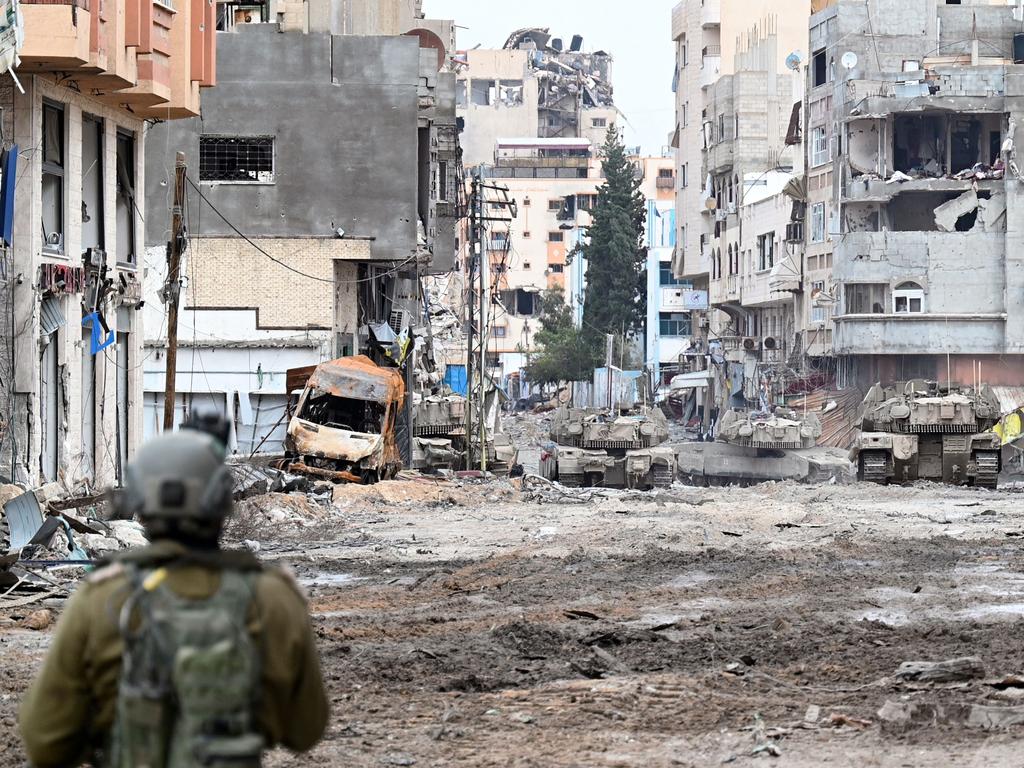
x=948, y=214
x=968, y=668
x=898, y=716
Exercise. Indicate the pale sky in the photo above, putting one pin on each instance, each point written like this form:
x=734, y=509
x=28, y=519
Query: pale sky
x=637, y=34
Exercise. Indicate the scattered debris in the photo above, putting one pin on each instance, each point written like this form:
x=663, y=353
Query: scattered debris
x=38, y=620
x=954, y=670
x=837, y=720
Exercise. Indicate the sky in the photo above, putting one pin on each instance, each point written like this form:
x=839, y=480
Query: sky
x=637, y=34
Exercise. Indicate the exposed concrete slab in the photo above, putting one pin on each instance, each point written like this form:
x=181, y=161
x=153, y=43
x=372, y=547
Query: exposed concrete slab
x=947, y=214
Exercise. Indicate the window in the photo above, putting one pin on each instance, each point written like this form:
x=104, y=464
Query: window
x=819, y=69
x=555, y=204
x=126, y=203
x=92, y=182
x=766, y=251
x=817, y=312
x=686, y=53
x=460, y=93
x=818, y=223
x=908, y=298
x=526, y=235
x=667, y=278
x=556, y=237
x=482, y=92
x=866, y=298
x=674, y=324
x=499, y=331
x=683, y=174
x=721, y=127
x=599, y=122
x=556, y=269
x=586, y=202
x=236, y=159
x=686, y=113
x=53, y=178
x=820, y=153
x=510, y=92
x=664, y=173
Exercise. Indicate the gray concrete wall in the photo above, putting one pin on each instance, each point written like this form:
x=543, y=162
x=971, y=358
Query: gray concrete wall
x=343, y=111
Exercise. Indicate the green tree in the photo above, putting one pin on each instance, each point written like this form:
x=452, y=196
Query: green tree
x=564, y=353
x=616, y=296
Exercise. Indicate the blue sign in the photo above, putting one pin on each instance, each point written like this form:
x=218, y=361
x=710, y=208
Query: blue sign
x=98, y=344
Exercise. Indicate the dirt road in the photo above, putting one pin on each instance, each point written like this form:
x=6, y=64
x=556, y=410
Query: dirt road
x=474, y=625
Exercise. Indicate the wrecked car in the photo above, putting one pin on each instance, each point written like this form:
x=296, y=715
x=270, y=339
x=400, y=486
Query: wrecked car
x=343, y=426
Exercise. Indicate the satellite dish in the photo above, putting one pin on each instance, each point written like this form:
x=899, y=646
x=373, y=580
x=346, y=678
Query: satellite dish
x=849, y=60
x=794, y=60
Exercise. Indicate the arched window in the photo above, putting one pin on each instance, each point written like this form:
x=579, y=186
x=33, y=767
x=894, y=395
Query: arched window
x=908, y=298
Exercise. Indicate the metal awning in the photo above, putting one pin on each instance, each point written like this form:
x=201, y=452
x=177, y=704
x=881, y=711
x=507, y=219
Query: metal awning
x=785, y=276
x=694, y=380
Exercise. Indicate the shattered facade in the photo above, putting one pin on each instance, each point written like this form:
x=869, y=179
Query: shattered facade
x=535, y=86
x=70, y=365
x=912, y=147
x=311, y=221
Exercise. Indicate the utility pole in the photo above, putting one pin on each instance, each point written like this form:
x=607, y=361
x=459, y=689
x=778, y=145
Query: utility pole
x=474, y=246
x=484, y=268
x=609, y=354
x=173, y=287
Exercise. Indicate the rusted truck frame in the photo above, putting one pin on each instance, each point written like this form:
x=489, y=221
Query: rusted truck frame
x=343, y=426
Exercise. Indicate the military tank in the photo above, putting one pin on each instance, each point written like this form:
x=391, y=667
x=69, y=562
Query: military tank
x=921, y=430
x=758, y=447
x=592, y=447
x=783, y=429
x=439, y=439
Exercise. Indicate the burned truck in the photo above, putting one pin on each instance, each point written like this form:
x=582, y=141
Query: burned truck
x=592, y=447
x=440, y=437
x=343, y=426
x=921, y=430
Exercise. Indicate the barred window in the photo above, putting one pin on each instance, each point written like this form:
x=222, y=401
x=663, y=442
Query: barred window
x=236, y=158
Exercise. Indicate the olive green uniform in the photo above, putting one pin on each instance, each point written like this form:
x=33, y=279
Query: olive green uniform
x=68, y=713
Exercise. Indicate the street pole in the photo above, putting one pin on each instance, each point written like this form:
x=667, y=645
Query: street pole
x=474, y=244
x=609, y=353
x=484, y=268
x=173, y=286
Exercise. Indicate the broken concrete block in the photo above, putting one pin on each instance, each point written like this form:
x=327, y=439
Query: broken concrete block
x=991, y=214
x=967, y=668
x=947, y=214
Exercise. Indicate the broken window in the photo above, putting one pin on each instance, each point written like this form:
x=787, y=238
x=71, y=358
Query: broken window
x=819, y=146
x=818, y=223
x=819, y=69
x=126, y=204
x=674, y=324
x=510, y=92
x=460, y=94
x=236, y=158
x=92, y=182
x=361, y=416
x=482, y=92
x=866, y=298
x=908, y=298
x=53, y=177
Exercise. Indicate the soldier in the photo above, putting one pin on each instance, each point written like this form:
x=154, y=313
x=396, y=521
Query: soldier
x=179, y=653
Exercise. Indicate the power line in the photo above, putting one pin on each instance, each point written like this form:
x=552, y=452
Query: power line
x=237, y=231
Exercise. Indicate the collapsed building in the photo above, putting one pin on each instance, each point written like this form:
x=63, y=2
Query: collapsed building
x=534, y=86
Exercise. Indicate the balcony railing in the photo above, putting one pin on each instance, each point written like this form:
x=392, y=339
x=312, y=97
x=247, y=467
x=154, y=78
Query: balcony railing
x=665, y=182
x=83, y=4
x=542, y=162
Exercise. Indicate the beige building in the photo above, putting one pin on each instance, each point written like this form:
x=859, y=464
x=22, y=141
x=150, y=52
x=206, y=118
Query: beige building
x=89, y=77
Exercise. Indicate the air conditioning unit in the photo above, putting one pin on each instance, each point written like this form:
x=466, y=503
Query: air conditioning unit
x=769, y=343
x=795, y=232
x=751, y=344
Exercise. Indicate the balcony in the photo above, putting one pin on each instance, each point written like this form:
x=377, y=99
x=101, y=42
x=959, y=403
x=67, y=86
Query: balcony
x=710, y=13
x=710, y=66
x=719, y=157
x=57, y=35
x=665, y=182
x=920, y=334
x=542, y=162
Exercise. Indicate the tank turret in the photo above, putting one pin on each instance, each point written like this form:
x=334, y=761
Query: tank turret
x=784, y=429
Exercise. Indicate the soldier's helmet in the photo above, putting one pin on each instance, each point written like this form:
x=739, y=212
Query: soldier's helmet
x=178, y=482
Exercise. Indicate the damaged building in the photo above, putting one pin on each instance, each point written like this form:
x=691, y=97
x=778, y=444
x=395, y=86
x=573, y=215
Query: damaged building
x=312, y=217
x=73, y=125
x=911, y=136
x=535, y=86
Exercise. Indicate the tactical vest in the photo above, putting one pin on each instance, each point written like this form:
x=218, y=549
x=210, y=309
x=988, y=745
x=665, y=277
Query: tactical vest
x=190, y=677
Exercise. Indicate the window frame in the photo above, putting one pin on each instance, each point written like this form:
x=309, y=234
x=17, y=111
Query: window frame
x=131, y=195
x=821, y=147
x=675, y=324
x=817, y=223
x=88, y=118
x=556, y=236
x=56, y=169
x=908, y=295
x=252, y=181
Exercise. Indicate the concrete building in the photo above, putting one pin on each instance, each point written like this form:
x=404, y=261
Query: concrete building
x=70, y=365
x=312, y=216
x=734, y=101
x=914, y=185
x=536, y=86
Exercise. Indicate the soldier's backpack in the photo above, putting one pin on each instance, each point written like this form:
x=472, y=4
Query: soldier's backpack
x=189, y=678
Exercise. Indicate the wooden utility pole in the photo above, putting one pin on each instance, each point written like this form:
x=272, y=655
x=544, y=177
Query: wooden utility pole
x=174, y=250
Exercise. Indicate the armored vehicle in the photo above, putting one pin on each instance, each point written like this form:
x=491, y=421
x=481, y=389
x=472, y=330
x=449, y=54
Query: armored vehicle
x=440, y=437
x=784, y=429
x=921, y=430
x=592, y=447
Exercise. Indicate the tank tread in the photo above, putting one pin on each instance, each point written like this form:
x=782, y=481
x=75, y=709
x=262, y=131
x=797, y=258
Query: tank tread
x=988, y=469
x=570, y=480
x=663, y=477
x=874, y=467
